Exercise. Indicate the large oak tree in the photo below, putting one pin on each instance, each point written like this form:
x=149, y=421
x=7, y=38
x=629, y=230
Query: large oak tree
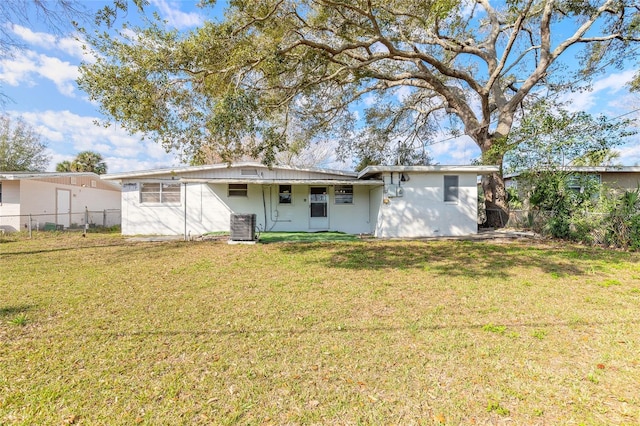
x=274, y=72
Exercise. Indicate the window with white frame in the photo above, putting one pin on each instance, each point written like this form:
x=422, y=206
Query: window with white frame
x=237, y=190
x=343, y=194
x=284, y=194
x=581, y=182
x=451, y=189
x=155, y=192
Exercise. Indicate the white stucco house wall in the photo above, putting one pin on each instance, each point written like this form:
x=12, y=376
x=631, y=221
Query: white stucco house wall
x=385, y=201
x=56, y=198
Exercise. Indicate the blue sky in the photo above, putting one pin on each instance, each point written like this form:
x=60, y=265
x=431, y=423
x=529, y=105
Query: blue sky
x=40, y=82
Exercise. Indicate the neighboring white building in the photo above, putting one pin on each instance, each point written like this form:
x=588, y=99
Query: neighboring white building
x=615, y=177
x=385, y=201
x=61, y=199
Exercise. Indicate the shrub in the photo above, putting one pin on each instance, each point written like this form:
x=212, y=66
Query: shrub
x=623, y=221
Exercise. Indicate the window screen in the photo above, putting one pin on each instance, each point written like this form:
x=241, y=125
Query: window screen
x=451, y=189
x=238, y=190
x=284, y=194
x=344, y=194
x=154, y=192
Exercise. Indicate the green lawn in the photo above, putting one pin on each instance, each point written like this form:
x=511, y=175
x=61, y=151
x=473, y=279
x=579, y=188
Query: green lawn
x=306, y=237
x=97, y=330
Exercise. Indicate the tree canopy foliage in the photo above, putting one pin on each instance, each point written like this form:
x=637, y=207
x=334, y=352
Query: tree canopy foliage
x=551, y=138
x=85, y=161
x=275, y=72
x=545, y=151
x=21, y=147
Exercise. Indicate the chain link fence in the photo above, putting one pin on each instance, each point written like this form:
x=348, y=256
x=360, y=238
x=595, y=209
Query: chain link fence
x=86, y=219
x=586, y=226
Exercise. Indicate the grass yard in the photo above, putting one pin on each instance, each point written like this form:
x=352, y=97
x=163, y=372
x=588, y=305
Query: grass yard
x=307, y=237
x=97, y=331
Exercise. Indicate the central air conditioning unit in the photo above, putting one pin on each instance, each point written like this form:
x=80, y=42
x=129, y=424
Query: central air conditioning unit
x=243, y=227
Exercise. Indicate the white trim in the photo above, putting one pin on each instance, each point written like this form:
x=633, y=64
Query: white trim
x=372, y=170
x=53, y=175
x=586, y=169
x=245, y=165
x=316, y=182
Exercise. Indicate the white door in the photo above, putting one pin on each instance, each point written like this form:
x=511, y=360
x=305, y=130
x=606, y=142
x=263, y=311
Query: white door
x=63, y=207
x=318, y=208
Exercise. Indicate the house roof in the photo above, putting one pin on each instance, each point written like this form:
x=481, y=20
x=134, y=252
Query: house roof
x=40, y=175
x=589, y=169
x=338, y=176
x=54, y=175
x=373, y=170
x=177, y=171
x=372, y=182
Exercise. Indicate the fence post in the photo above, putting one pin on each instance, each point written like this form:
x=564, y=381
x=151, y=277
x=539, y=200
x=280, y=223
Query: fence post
x=30, y=225
x=104, y=218
x=86, y=221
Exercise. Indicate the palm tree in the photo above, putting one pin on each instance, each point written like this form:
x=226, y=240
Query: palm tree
x=86, y=161
x=89, y=161
x=64, y=166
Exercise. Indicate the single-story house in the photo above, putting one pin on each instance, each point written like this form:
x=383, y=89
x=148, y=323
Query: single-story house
x=614, y=177
x=385, y=201
x=61, y=200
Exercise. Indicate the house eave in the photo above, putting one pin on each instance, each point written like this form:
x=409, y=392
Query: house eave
x=480, y=170
x=177, y=171
x=37, y=175
x=326, y=182
x=18, y=176
x=586, y=169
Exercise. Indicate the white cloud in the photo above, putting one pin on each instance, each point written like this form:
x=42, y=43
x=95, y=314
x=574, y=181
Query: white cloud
x=69, y=133
x=73, y=47
x=25, y=66
x=70, y=45
x=604, y=87
x=55, y=158
x=369, y=100
x=456, y=151
x=18, y=69
x=170, y=10
x=614, y=82
x=45, y=40
x=403, y=93
x=118, y=164
x=62, y=73
x=378, y=47
x=630, y=154
x=468, y=7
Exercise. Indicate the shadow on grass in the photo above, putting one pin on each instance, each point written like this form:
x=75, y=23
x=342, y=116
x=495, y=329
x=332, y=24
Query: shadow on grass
x=306, y=237
x=463, y=258
x=132, y=246
x=10, y=311
x=65, y=248
x=334, y=329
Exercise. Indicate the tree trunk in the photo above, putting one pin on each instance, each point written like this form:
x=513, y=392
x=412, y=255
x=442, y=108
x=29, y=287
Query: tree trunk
x=495, y=200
